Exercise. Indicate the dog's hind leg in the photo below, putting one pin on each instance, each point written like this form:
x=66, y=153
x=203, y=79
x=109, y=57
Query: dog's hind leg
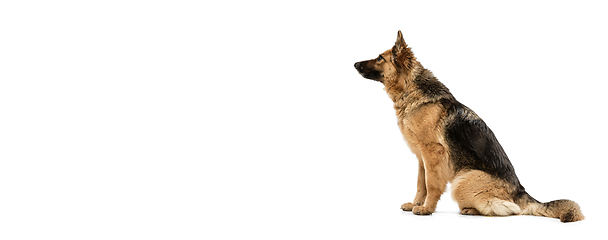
x=488, y=196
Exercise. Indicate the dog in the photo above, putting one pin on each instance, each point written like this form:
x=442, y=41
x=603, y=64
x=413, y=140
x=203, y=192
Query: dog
x=453, y=144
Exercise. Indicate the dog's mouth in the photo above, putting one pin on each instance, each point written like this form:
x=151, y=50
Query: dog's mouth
x=374, y=77
x=367, y=73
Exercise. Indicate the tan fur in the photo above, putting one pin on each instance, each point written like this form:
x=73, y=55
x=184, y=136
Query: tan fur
x=478, y=190
x=394, y=82
x=422, y=130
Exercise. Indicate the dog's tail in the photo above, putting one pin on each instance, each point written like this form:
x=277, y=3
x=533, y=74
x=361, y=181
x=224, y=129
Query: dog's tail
x=564, y=210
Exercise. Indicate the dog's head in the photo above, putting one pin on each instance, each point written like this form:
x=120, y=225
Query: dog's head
x=391, y=65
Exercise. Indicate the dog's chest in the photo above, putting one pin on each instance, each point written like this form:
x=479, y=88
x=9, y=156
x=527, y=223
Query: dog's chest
x=421, y=125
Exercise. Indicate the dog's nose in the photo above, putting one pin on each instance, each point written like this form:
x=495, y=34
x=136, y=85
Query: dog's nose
x=357, y=64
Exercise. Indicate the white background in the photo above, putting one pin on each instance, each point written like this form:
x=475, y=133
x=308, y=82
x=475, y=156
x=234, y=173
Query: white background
x=247, y=120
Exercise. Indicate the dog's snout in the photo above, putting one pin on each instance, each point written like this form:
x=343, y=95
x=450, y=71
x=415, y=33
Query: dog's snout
x=357, y=64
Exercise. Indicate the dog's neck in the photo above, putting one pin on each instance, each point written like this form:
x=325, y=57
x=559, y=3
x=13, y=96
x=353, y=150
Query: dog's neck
x=414, y=89
x=399, y=86
x=395, y=86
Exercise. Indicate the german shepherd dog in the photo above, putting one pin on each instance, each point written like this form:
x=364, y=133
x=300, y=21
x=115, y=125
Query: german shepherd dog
x=453, y=144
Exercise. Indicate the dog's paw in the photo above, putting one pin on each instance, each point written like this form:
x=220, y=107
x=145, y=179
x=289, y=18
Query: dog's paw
x=422, y=210
x=469, y=211
x=407, y=206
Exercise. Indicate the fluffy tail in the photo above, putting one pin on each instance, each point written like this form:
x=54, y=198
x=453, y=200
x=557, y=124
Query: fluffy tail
x=565, y=210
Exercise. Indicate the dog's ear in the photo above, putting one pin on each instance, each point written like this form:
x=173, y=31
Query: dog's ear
x=399, y=44
x=403, y=57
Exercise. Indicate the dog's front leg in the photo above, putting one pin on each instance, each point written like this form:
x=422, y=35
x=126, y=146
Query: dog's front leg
x=436, y=172
x=421, y=188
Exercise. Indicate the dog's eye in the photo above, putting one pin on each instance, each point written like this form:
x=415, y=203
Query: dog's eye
x=380, y=58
